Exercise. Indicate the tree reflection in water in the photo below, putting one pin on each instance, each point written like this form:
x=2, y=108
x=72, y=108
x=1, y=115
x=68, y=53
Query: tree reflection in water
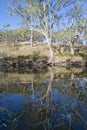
x=62, y=106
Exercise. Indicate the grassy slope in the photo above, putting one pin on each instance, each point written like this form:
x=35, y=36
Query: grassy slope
x=24, y=49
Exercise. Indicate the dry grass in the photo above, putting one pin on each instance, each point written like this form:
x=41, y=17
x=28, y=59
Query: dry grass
x=24, y=49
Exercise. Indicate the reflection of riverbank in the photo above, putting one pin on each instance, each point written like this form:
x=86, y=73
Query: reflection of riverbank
x=58, y=71
x=26, y=78
x=70, y=82
x=53, y=99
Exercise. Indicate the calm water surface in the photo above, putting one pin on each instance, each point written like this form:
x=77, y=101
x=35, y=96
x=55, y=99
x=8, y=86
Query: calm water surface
x=53, y=100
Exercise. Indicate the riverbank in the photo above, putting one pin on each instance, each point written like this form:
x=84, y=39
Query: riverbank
x=37, y=57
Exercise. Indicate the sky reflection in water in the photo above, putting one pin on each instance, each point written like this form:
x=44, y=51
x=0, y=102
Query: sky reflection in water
x=62, y=106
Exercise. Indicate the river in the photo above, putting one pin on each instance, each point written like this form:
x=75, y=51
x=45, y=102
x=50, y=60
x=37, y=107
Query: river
x=55, y=99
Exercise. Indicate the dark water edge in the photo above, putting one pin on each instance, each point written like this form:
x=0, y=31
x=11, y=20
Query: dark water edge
x=53, y=100
x=37, y=63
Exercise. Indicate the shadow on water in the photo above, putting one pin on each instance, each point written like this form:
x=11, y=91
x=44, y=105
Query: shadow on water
x=53, y=100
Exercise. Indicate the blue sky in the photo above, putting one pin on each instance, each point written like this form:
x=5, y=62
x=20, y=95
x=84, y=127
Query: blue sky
x=5, y=17
x=13, y=20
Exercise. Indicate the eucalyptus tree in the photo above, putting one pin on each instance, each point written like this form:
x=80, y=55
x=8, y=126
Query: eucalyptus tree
x=78, y=26
x=79, y=21
x=75, y=24
x=1, y=35
x=5, y=30
x=40, y=15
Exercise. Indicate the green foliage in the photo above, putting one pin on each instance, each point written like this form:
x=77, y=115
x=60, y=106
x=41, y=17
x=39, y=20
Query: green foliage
x=83, y=54
x=64, y=55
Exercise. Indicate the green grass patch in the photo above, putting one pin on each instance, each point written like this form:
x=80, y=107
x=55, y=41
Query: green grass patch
x=83, y=54
x=64, y=55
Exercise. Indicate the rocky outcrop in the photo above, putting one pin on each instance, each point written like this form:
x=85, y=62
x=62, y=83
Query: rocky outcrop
x=61, y=49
